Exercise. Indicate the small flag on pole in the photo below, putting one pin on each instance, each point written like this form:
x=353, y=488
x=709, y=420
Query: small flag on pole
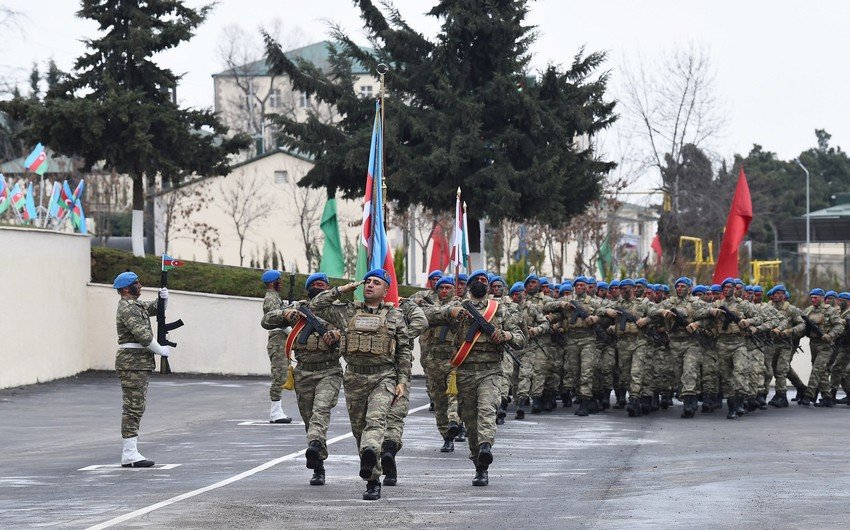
x=4, y=194
x=53, y=205
x=169, y=263
x=37, y=161
x=29, y=212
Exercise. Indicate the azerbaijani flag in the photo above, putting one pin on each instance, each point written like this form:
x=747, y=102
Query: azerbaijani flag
x=29, y=213
x=4, y=194
x=465, y=239
x=374, y=250
x=68, y=200
x=53, y=205
x=18, y=201
x=78, y=218
x=37, y=161
x=459, y=258
x=169, y=263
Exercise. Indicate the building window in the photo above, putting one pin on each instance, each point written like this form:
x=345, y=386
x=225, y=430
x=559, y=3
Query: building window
x=281, y=177
x=304, y=101
x=274, y=99
x=365, y=91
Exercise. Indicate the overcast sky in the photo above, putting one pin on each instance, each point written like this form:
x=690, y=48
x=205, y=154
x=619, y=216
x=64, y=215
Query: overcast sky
x=781, y=66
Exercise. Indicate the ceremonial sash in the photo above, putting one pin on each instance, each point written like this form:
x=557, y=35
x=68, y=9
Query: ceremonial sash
x=293, y=335
x=466, y=347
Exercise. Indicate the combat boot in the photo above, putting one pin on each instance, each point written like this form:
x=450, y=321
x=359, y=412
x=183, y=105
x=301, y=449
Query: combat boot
x=645, y=405
x=842, y=401
x=502, y=412
x=448, y=445
x=481, y=478
x=804, y=401
x=367, y=463
x=777, y=399
x=690, y=406
x=520, y=408
x=461, y=436
x=826, y=401
x=593, y=406
x=318, y=474
x=549, y=403
x=620, y=394
x=582, y=408
x=707, y=403
x=485, y=456
x=537, y=405
x=783, y=401
x=388, y=452
x=802, y=390
x=655, y=403
x=666, y=401
x=752, y=404
x=718, y=401
x=453, y=430
x=431, y=407
x=739, y=405
x=605, y=399
x=373, y=491
x=633, y=408
x=313, y=454
x=730, y=403
x=762, y=401
x=566, y=399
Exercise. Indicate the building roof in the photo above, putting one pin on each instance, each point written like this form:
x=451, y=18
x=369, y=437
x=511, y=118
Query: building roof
x=55, y=164
x=317, y=53
x=833, y=212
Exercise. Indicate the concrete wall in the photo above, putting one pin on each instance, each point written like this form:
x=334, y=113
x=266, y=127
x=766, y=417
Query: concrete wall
x=43, y=320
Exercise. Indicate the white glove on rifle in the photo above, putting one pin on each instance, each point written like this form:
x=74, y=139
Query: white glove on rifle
x=155, y=347
x=163, y=295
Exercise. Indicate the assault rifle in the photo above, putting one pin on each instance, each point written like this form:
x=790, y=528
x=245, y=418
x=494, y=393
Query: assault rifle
x=601, y=335
x=680, y=320
x=162, y=328
x=626, y=317
x=813, y=331
x=313, y=324
x=730, y=317
x=481, y=324
x=705, y=340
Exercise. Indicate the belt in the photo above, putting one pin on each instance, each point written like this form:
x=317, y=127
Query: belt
x=443, y=356
x=480, y=366
x=130, y=345
x=317, y=367
x=369, y=370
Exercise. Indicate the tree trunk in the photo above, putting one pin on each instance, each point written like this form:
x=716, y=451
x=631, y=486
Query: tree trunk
x=138, y=216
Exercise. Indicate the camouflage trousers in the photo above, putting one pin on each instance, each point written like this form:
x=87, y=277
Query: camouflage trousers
x=423, y=360
x=368, y=399
x=624, y=366
x=634, y=350
x=478, y=397
x=685, y=355
x=770, y=360
x=710, y=368
x=511, y=372
x=279, y=364
x=582, y=347
x=819, y=377
x=606, y=367
x=445, y=407
x=395, y=418
x=666, y=370
x=839, y=377
x=134, y=391
x=552, y=379
x=531, y=377
x=734, y=364
x=755, y=372
x=570, y=364
x=784, y=372
x=317, y=393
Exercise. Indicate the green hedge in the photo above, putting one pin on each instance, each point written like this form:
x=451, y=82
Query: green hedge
x=107, y=263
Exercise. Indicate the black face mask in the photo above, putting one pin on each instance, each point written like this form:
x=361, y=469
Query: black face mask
x=478, y=289
x=313, y=291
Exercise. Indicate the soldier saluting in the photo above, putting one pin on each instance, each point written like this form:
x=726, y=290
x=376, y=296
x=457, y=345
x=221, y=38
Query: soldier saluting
x=373, y=341
x=134, y=360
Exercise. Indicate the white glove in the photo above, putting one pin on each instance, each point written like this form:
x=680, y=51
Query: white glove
x=163, y=295
x=155, y=347
x=166, y=351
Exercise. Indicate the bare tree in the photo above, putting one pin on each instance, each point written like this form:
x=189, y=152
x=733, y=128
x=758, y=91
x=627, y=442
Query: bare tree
x=306, y=208
x=246, y=204
x=178, y=215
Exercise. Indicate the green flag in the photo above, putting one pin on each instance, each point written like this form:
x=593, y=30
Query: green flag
x=605, y=258
x=333, y=263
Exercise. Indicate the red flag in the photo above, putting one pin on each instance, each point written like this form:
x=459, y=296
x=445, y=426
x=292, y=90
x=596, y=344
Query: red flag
x=439, y=251
x=737, y=225
x=656, y=246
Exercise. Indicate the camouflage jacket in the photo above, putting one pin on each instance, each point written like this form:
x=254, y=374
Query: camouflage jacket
x=273, y=306
x=826, y=318
x=439, y=336
x=738, y=306
x=789, y=315
x=132, y=321
x=639, y=307
x=686, y=306
x=309, y=349
x=484, y=350
x=341, y=312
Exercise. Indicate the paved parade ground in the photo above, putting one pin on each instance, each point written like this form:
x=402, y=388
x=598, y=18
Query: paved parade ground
x=221, y=465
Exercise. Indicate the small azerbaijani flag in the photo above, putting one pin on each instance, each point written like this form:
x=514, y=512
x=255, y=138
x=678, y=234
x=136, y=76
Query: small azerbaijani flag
x=374, y=250
x=17, y=200
x=29, y=213
x=4, y=194
x=169, y=263
x=78, y=218
x=53, y=205
x=68, y=200
x=37, y=161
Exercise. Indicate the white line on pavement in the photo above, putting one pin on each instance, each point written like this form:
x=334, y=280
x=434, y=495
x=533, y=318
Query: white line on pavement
x=245, y=474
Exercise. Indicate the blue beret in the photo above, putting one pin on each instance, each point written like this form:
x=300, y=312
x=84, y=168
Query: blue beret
x=445, y=280
x=435, y=274
x=748, y=288
x=529, y=278
x=844, y=295
x=739, y=281
x=684, y=279
x=462, y=277
x=700, y=289
x=591, y=280
x=787, y=294
x=580, y=279
x=614, y=283
x=831, y=293
x=640, y=281
x=125, y=279
x=316, y=276
x=543, y=280
x=517, y=287
x=775, y=288
x=715, y=288
x=727, y=280
x=650, y=286
x=270, y=276
x=497, y=278
x=817, y=291
x=665, y=287
x=757, y=289
x=627, y=282
x=565, y=287
x=381, y=274
x=602, y=285
x=477, y=273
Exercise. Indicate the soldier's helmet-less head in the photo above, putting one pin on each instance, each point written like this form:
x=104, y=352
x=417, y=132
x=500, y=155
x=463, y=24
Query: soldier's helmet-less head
x=125, y=279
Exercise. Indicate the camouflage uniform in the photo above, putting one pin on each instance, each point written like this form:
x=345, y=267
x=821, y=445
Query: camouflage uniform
x=275, y=348
x=318, y=378
x=827, y=318
x=635, y=370
x=550, y=370
x=581, y=349
x=840, y=375
x=377, y=352
x=685, y=352
x=531, y=380
x=777, y=361
x=134, y=365
x=425, y=298
x=440, y=337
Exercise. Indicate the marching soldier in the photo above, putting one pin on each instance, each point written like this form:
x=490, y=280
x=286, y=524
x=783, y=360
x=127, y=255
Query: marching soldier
x=685, y=353
x=275, y=348
x=317, y=376
x=778, y=358
x=134, y=360
x=550, y=370
x=823, y=325
x=375, y=345
x=530, y=383
x=840, y=376
x=427, y=297
x=460, y=286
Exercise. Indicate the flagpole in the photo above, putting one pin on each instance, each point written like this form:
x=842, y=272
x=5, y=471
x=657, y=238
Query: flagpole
x=382, y=71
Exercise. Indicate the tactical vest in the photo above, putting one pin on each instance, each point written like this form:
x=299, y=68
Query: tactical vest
x=719, y=321
x=818, y=318
x=370, y=336
x=315, y=350
x=485, y=350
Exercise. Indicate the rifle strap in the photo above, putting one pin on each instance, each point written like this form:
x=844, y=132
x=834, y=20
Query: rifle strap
x=466, y=347
x=293, y=335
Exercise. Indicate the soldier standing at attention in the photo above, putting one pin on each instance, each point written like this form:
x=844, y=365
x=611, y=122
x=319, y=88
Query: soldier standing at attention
x=275, y=348
x=376, y=348
x=134, y=360
x=317, y=376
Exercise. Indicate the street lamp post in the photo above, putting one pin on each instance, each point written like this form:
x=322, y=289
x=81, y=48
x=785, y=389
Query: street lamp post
x=808, y=231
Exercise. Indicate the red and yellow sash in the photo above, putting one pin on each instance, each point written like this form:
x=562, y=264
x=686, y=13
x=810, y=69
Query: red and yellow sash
x=467, y=345
x=293, y=336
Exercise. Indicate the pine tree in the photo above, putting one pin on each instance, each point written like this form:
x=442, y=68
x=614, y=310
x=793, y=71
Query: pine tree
x=462, y=110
